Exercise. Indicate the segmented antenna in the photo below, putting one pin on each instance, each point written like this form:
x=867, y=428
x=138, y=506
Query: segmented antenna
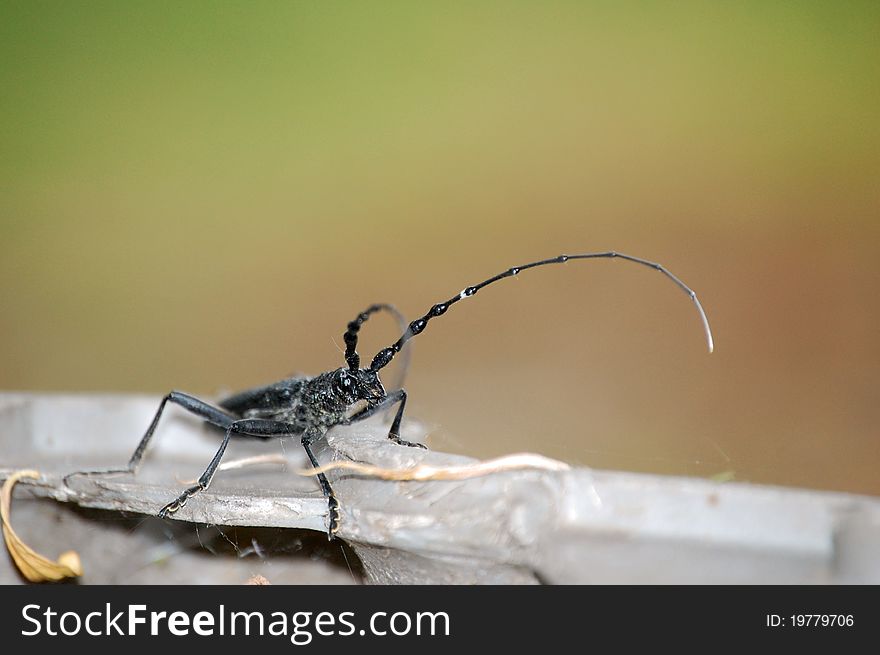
x=352, y=359
x=384, y=356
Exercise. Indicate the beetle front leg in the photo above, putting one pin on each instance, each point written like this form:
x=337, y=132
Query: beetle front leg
x=398, y=396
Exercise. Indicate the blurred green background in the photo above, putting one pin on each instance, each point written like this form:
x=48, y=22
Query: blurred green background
x=200, y=195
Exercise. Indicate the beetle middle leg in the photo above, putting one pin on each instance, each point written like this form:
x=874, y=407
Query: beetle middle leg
x=254, y=427
x=333, y=504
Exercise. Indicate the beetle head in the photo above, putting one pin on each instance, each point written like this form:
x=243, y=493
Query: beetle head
x=362, y=384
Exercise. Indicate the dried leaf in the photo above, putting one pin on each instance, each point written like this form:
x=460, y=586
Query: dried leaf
x=32, y=565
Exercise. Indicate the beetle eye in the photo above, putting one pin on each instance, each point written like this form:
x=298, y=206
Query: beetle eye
x=344, y=379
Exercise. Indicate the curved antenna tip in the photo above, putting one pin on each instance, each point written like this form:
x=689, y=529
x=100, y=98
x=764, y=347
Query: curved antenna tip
x=709, y=340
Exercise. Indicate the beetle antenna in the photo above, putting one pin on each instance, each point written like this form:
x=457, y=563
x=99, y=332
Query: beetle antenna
x=352, y=359
x=384, y=356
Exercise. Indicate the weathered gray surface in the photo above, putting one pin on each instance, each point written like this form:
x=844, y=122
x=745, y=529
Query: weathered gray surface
x=522, y=526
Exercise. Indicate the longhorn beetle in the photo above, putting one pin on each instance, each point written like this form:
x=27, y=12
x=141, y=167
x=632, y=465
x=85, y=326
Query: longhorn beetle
x=308, y=408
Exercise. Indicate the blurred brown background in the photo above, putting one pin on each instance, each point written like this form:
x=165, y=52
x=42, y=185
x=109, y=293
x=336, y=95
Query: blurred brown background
x=200, y=196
